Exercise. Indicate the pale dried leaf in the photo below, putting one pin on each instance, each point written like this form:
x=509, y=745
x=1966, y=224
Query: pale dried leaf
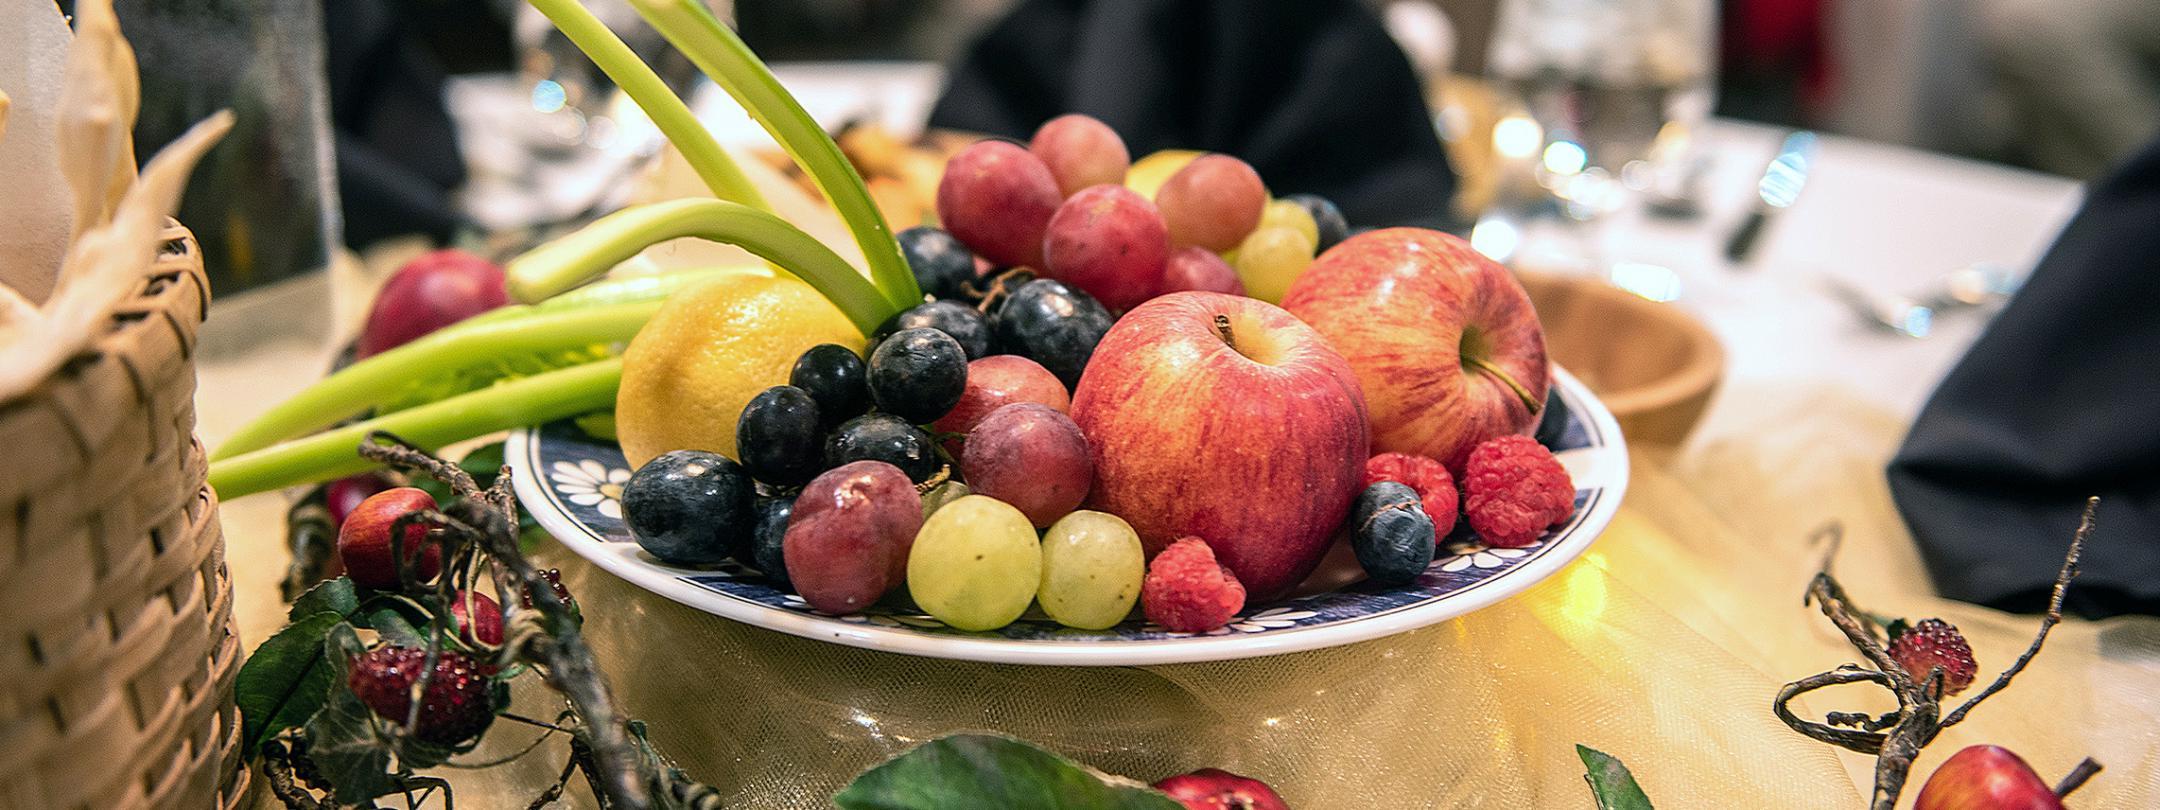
x=107, y=263
x=97, y=109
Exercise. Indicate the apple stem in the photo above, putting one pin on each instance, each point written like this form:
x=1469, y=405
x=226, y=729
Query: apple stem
x=2076, y=778
x=1222, y=327
x=1487, y=367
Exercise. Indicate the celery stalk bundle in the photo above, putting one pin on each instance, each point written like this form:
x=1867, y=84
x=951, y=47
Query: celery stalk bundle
x=293, y=443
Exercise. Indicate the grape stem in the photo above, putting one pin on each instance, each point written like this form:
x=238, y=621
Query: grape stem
x=667, y=110
x=369, y=383
x=692, y=29
x=568, y=261
x=331, y=454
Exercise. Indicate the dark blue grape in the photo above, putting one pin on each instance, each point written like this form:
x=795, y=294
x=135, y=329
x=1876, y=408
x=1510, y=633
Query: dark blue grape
x=918, y=374
x=689, y=507
x=965, y=324
x=764, y=552
x=836, y=377
x=1391, y=534
x=887, y=438
x=943, y=267
x=1553, y=422
x=1333, y=228
x=779, y=437
x=1054, y=325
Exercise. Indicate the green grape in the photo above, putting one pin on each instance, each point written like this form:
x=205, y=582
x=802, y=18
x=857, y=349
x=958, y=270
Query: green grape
x=1091, y=569
x=945, y=493
x=1289, y=214
x=1270, y=259
x=975, y=564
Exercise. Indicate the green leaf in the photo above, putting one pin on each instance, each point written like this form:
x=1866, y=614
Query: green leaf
x=285, y=680
x=1610, y=781
x=394, y=629
x=337, y=596
x=342, y=740
x=989, y=772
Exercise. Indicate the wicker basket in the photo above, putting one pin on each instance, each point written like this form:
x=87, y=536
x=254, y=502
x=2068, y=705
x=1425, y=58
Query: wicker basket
x=117, y=646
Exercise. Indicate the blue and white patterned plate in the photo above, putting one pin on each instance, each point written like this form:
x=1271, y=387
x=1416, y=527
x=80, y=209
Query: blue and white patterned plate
x=572, y=484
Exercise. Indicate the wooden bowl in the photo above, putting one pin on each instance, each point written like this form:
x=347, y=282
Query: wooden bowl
x=1653, y=365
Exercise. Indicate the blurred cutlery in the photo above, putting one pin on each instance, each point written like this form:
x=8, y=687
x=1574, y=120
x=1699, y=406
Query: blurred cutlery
x=1779, y=187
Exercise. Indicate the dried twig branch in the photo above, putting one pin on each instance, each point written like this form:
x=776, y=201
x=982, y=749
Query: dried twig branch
x=2054, y=614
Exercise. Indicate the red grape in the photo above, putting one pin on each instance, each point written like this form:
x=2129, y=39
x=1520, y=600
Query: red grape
x=1109, y=242
x=1081, y=152
x=1032, y=457
x=995, y=382
x=429, y=293
x=1213, y=202
x=1196, y=268
x=847, y=542
x=998, y=198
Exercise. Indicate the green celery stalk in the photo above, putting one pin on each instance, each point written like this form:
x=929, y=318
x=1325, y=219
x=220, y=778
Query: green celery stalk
x=368, y=383
x=571, y=259
x=631, y=289
x=693, y=29
x=667, y=110
x=333, y=454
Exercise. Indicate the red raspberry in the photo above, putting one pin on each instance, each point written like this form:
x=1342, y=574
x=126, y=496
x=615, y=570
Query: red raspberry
x=1435, y=487
x=1217, y=789
x=456, y=707
x=1187, y=591
x=1932, y=643
x=1513, y=489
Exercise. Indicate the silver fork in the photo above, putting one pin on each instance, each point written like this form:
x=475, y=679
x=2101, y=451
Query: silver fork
x=1974, y=285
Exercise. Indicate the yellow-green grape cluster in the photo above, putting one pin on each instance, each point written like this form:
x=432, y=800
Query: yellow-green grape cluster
x=975, y=564
x=1092, y=564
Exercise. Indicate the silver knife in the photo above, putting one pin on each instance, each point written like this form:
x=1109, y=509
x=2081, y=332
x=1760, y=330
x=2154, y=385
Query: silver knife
x=1780, y=186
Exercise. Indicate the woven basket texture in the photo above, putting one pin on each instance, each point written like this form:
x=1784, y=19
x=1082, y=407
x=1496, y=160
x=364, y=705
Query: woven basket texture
x=117, y=644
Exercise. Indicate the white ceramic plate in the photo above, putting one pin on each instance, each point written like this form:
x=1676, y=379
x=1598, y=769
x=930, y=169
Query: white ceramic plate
x=571, y=484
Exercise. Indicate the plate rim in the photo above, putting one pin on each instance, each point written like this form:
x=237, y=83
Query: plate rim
x=621, y=560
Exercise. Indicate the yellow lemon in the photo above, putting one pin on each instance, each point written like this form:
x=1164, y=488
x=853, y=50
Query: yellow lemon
x=710, y=348
x=1149, y=173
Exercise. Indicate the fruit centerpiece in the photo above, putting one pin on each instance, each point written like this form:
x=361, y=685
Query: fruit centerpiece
x=1095, y=387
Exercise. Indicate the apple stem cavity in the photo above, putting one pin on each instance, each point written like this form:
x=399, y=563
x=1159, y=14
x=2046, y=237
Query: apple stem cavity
x=1520, y=392
x=1918, y=718
x=2075, y=779
x=1222, y=327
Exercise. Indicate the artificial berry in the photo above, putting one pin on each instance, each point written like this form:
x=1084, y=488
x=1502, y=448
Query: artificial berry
x=455, y=707
x=1931, y=643
x=1435, y=487
x=364, y=539
x=1217, y=789
x=554, y=580
x=482, y=622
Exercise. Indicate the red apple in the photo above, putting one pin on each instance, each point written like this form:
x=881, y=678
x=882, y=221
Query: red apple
x=429, y=293
x=1218, y=789
x=364, y=539
x=994, y=382
x=1196, y=268
x=1446, y=345
x=1986, y=777
x=1224, y=418
x=1108, y=241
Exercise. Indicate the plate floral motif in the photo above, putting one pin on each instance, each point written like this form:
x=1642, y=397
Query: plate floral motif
x=580, y=503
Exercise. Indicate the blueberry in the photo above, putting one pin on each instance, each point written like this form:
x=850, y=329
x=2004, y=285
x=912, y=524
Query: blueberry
x=1391, y=534
x=689, y=507
x=963, y=323
x=943, y=267
x=1333, y=228
x=779, y=437
x=835, y=376
x=887, y=438
x=918, y=374
x=764, y=553
x=1052, y=324
x=1552, y=423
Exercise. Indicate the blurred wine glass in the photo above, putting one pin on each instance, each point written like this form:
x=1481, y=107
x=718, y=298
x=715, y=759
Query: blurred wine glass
x=1606, y=98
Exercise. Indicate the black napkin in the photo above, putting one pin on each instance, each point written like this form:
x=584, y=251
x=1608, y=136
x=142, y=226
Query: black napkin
x=2058, y=400
x=397, y=151
x=1313, y=93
